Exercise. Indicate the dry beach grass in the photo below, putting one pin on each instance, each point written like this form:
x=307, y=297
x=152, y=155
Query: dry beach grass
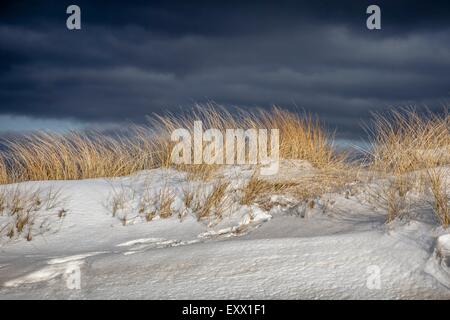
x=406, y=149
x=28, y=209
x=82, y=155
x=405, y=141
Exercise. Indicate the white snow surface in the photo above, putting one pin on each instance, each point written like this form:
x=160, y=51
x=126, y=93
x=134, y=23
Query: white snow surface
x=340, y=249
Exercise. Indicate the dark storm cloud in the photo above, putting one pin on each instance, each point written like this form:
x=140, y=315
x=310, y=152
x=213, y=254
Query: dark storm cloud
x=129, y=61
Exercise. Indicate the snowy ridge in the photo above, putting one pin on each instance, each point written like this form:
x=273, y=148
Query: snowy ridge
x=333, y=249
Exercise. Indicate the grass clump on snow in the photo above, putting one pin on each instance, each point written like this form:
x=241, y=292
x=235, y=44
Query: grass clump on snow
x=26, y=212
x=439, y=190
x=407, y=147
x=4, y=179
x=90, y=154
x=405, y=141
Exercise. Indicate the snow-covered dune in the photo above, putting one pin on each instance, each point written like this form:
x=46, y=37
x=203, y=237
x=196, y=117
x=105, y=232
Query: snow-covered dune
x=339, y=248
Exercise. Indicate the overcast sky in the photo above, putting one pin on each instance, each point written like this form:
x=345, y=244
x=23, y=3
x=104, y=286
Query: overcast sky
x=139, y=57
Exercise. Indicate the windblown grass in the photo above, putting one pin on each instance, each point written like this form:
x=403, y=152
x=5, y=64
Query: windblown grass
x=406, y=145
x=75, y=155
x=405, y=141
x=301, y=136
x=81, y=155
x=441, y=201
x=3, y=171
x=27, y=212
x=215, y=201
x=257, y=189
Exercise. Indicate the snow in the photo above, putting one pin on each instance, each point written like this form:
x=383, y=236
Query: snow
x=438, y=265
x=340, y=249
x=55, y=268
x=140, y=241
